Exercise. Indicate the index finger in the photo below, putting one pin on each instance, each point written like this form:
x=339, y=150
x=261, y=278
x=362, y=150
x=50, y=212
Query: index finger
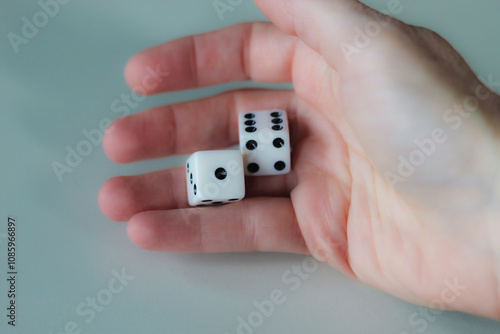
x=250, y=51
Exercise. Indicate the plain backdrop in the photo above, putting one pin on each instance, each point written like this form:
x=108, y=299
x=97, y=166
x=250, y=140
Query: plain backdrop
x=60, y=85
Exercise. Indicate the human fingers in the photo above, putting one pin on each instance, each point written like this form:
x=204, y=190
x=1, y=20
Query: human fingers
x=186, y=127
x=258, y=224
x=122, y=197
x=250, y=51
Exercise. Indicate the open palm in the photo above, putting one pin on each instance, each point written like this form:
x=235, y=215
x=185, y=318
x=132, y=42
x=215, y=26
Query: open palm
x=386, y=186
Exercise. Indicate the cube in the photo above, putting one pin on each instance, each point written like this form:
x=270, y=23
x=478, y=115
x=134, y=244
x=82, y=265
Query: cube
x=264, y=142
x=215, y=177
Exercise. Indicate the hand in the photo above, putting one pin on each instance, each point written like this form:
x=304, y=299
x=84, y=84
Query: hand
x=395, y=176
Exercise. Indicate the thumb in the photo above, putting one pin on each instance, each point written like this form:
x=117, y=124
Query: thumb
x=329, y=27
x=412, y=108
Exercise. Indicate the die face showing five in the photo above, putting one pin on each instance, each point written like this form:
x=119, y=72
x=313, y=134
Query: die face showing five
x=264, y=142
x=215, y=177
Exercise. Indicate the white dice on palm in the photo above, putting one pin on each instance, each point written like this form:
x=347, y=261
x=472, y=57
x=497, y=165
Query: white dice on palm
x=264, y=142
x=215, y=177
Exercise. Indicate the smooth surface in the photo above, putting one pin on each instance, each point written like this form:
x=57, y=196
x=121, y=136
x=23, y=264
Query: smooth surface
x=205, y=186
x=60, y=88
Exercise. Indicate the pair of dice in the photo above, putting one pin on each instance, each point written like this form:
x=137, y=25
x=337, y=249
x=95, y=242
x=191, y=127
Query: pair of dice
x=218, y=177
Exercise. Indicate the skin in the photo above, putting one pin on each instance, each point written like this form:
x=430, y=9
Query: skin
x=432, y=237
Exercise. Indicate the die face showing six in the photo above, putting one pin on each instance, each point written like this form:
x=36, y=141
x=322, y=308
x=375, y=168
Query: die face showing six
x=215, y=177
x=264, y=142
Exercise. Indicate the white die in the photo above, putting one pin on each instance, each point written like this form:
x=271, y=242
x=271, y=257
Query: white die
x=264, y=142
x=215, y=177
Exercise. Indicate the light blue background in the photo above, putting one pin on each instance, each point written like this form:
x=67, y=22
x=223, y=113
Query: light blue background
x=63, y=82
